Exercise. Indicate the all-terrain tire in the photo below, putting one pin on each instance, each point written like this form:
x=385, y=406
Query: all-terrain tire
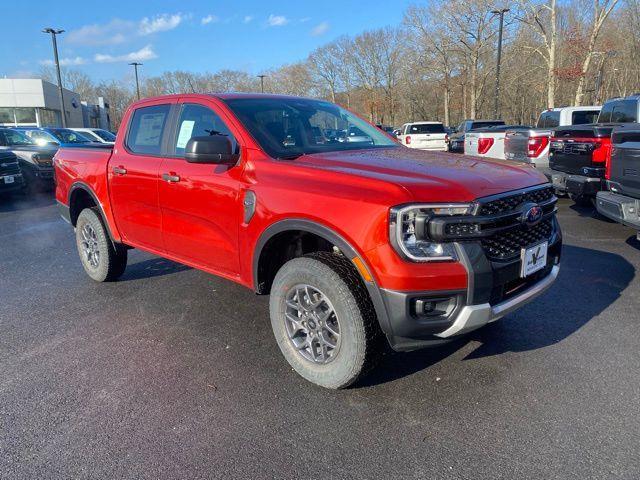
x=361, y=340
x=111, y=260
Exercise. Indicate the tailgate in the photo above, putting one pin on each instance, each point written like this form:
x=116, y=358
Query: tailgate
x=625, y=162
x=516, y=144
x=572, y=148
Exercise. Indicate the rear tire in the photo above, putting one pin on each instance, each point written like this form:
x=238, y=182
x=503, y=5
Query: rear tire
x=102, y=260
x=332, y=350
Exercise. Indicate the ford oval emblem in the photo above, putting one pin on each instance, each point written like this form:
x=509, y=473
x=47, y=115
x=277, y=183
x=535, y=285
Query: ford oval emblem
x=532, y=215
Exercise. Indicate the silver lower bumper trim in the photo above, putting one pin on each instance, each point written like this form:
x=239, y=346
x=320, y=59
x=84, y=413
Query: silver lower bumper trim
x=476, y=316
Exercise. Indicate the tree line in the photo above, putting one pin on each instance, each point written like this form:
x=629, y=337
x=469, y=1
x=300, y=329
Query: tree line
x=440, y=64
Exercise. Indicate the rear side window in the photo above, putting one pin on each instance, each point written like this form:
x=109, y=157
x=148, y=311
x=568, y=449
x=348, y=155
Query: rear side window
x=549, y=120
x=584, y=117
x=426, y=128
x=147, y=128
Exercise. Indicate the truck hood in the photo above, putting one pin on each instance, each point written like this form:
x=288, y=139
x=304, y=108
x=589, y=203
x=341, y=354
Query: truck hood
x=429, y=176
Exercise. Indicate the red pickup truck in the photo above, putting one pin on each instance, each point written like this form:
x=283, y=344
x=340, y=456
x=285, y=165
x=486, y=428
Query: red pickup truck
x=356, y=238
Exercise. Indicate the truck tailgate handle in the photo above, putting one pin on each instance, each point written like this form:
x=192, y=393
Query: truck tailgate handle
x=120, y=170
x=170, y=178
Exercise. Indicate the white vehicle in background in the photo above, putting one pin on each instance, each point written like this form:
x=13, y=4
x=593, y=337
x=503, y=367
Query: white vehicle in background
x=97, y=134
x=532, y=145
x=564, y=116
x=425, y=136
x=489, y=142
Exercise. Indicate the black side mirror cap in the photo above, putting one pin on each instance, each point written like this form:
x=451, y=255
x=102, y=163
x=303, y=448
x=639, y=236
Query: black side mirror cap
x=215, y=149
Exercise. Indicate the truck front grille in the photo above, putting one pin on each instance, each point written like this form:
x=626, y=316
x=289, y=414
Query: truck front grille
x=9, y=168
x=510, y=203
x=508, y=244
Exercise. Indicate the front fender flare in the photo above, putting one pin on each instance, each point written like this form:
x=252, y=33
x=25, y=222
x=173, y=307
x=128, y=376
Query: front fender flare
x=337, y=240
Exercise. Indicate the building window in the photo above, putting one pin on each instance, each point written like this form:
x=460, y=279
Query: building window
x=25, y=115
x=49, y=118
x=6, y=115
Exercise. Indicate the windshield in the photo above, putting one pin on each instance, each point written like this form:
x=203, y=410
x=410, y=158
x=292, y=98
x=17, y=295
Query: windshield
x=290, y=127
x=65, y=135
x=105, y=135
x=14, y=138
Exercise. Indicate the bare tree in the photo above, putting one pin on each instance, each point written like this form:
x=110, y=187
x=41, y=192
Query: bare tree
x=601, y=10
x=543, y=20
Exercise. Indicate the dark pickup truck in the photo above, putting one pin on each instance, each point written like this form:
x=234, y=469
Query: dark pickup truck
x=10, y=173
x=578, y=155
x=622, y=202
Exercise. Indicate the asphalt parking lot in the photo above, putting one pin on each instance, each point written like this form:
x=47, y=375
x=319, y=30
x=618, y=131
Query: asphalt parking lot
x=173, y=373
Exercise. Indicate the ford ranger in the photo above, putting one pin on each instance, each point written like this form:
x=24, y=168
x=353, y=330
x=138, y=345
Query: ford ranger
x=356, y=242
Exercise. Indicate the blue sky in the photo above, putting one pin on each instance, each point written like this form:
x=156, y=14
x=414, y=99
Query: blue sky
x=192, y=35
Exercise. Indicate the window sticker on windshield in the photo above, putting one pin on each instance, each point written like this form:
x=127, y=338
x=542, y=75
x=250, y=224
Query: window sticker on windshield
x=150, y=129
x=186, y=129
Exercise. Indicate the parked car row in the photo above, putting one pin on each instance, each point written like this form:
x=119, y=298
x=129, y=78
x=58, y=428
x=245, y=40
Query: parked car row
x=33, y=149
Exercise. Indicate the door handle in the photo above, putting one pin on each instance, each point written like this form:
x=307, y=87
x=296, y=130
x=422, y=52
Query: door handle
x=119, y=170
x=170, y=178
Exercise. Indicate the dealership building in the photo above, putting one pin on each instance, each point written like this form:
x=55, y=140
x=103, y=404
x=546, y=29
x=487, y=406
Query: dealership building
x=33, y=102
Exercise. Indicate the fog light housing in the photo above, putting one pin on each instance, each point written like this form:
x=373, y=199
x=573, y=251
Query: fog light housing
x=436, y=308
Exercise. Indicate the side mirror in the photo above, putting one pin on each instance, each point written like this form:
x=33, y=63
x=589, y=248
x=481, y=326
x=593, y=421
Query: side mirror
x=210, y=149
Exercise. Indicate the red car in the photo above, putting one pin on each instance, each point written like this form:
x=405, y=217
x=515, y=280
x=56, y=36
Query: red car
x=356, y=241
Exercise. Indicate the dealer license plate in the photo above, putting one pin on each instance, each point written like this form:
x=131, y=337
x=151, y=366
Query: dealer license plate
x=533, y=259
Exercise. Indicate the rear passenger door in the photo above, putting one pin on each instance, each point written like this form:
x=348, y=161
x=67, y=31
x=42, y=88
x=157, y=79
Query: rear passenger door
x=133, y=173
x=201, y=210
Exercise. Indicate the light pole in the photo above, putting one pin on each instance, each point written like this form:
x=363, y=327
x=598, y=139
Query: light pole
x=135, y=68
x=53, y=33
x=261, y=77
x=500, y=12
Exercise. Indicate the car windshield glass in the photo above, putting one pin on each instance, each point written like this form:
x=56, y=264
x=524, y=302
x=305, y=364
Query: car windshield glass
x=289, y=127
x=65, y=135
x=426, y=128
x=477, y=125
x=105, y=135
x=14, y=138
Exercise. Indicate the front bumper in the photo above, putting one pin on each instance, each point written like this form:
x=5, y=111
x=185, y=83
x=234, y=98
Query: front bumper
x=17, y=184
x=620, y=208
x=494, y=290
x=578, y=185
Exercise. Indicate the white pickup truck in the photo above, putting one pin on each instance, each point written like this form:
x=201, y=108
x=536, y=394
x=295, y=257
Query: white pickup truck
x=489, y=142
x=532, y=145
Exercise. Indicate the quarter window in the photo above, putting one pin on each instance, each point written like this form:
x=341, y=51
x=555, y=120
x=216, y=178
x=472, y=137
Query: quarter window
x=147, y=128
x=199, y=121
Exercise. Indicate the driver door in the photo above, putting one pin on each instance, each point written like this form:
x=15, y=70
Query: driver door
x=201, y=210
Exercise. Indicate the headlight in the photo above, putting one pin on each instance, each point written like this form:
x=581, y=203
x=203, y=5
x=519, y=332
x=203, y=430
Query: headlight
x=408, y=231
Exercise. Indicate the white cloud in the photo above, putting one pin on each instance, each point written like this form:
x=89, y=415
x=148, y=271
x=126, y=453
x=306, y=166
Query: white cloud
x=320, y=29
x=145, y=53
x=247, y=19
x=160, y=23
x=65, y=62
x=112, y=33
x=118, y=31
x=209, y=19
x=277, y=20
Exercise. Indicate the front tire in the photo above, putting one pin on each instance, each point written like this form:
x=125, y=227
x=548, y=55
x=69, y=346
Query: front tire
x=102, y=260
x=323, y=320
